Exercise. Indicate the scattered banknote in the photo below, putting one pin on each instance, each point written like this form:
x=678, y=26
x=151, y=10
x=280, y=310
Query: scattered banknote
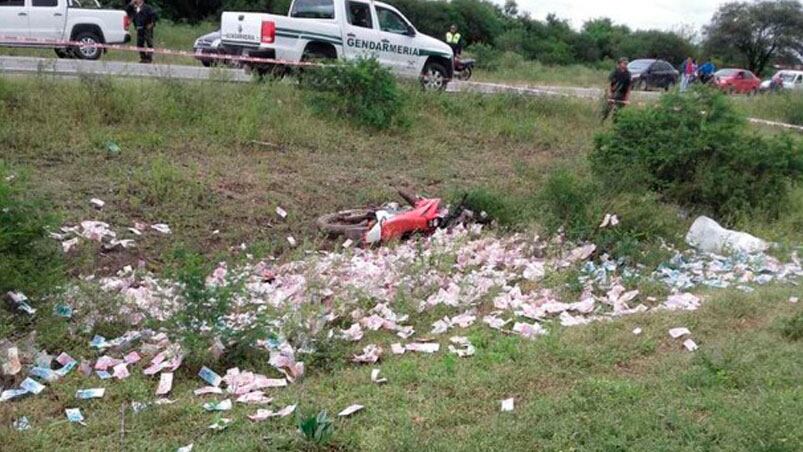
x=46, y=375
x=507, y=405
x=9, y=394
x=349, y=410
x=165, y=383
x=221, y=424
x=208, y=375
x=74, y=415
x=32, y=386
x=94, y=393
x=64, y=359
x=22, y=424
x=678, y=332
x=65, y=369
x=224, y=405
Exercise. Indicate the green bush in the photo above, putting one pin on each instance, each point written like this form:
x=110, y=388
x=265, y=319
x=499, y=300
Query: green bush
x=577, y=205
x=693, y=149
x=793, y=327
x=200, y=321
x=506, y=210
x=30, y=261
x=569, y=201
x=361, y=90
x=316, y=429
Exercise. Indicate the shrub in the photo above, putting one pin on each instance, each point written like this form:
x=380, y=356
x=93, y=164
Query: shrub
x=792, y=327
x=506, y=210
x=569, y=201
x=361, y=90
x=578, y=204
x=200, y=321
x=316, y=429
x=693, y=149
x=30, y=261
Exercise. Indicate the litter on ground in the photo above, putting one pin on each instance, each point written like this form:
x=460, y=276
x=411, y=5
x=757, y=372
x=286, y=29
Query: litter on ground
x=678, y=332
x=507, y=405
x=349, y=410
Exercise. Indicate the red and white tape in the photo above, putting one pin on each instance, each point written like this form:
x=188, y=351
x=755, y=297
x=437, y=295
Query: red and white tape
x=19, y=40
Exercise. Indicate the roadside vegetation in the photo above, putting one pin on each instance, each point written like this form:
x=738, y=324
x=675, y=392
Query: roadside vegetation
x=214, y=160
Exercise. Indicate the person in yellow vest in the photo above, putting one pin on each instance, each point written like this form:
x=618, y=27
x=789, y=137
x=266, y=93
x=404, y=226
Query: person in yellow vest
x=453, y=39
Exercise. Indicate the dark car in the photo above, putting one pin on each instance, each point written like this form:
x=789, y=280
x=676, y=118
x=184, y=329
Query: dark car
x=648, y=74
x=209, y=44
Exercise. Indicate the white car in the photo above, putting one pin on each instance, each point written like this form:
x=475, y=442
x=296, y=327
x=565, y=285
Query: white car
x=50, y=23
x=789, y=80
x=343, y=29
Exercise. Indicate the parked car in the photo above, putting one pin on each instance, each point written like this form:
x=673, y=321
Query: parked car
x=341, y=29
x=49, y=23
x=209, y=44
x=736, y=81
x=789, y=80
x=647, y=74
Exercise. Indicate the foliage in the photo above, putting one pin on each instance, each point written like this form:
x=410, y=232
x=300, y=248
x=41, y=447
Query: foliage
x=316, y=429
x=567, y=201
x=665, y=45
x=793, y=327
x=200, y=320
x=756, y=32
x=505, y=210
x=30, y=261
x=698, y=153
x=361, y=90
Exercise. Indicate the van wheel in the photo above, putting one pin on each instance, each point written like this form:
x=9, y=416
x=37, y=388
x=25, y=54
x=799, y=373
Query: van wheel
x=87, y=51
x=641, y=85
x=434, y=77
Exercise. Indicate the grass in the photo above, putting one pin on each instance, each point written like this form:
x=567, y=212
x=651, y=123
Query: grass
x=784, y=107
x=593, y=387
x=209, y=156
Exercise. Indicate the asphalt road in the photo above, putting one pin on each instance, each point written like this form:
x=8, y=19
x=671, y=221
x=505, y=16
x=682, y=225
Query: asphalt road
x=76, y=68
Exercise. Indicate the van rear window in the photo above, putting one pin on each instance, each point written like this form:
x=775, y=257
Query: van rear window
x=313, y=9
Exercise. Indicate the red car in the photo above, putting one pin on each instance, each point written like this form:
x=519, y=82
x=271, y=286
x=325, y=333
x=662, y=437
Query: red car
x=736, y=81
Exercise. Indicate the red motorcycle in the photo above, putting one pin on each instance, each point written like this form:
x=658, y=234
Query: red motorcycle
x=391, y=221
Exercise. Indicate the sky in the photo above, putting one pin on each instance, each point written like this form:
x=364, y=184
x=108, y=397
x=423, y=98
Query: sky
x=637, y=14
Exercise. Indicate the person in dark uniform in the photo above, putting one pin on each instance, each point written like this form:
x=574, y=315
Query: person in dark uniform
x=619, y=89
x=144, y=19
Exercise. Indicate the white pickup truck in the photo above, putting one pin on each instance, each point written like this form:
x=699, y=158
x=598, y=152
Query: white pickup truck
x=344, y=29
x=41, y=22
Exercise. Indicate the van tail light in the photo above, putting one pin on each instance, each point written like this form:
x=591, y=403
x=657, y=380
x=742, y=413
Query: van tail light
x=268, y=32
x=126, y=22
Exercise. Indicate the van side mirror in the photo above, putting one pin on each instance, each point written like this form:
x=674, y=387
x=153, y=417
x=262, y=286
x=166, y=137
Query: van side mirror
x=410, y=31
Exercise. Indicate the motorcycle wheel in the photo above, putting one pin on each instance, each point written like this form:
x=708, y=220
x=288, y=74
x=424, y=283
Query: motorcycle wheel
x=351, y=224
x=464, y=75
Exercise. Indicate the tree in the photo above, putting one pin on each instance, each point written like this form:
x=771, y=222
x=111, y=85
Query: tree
x=656, y=44
x=605, y=35
x=756, y=32
x=511, y=8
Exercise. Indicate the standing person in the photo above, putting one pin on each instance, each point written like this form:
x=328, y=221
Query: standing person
x=706, y=71
x=687, y=74
x=619, y=89
x=144, y=19
x=453, y=39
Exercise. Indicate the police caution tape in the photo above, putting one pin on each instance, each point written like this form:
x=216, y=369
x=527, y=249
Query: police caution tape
x=19, y=40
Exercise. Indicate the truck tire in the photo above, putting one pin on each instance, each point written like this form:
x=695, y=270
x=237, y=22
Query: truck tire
x=88, y=53
x=63, y=53
x=434, y=76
